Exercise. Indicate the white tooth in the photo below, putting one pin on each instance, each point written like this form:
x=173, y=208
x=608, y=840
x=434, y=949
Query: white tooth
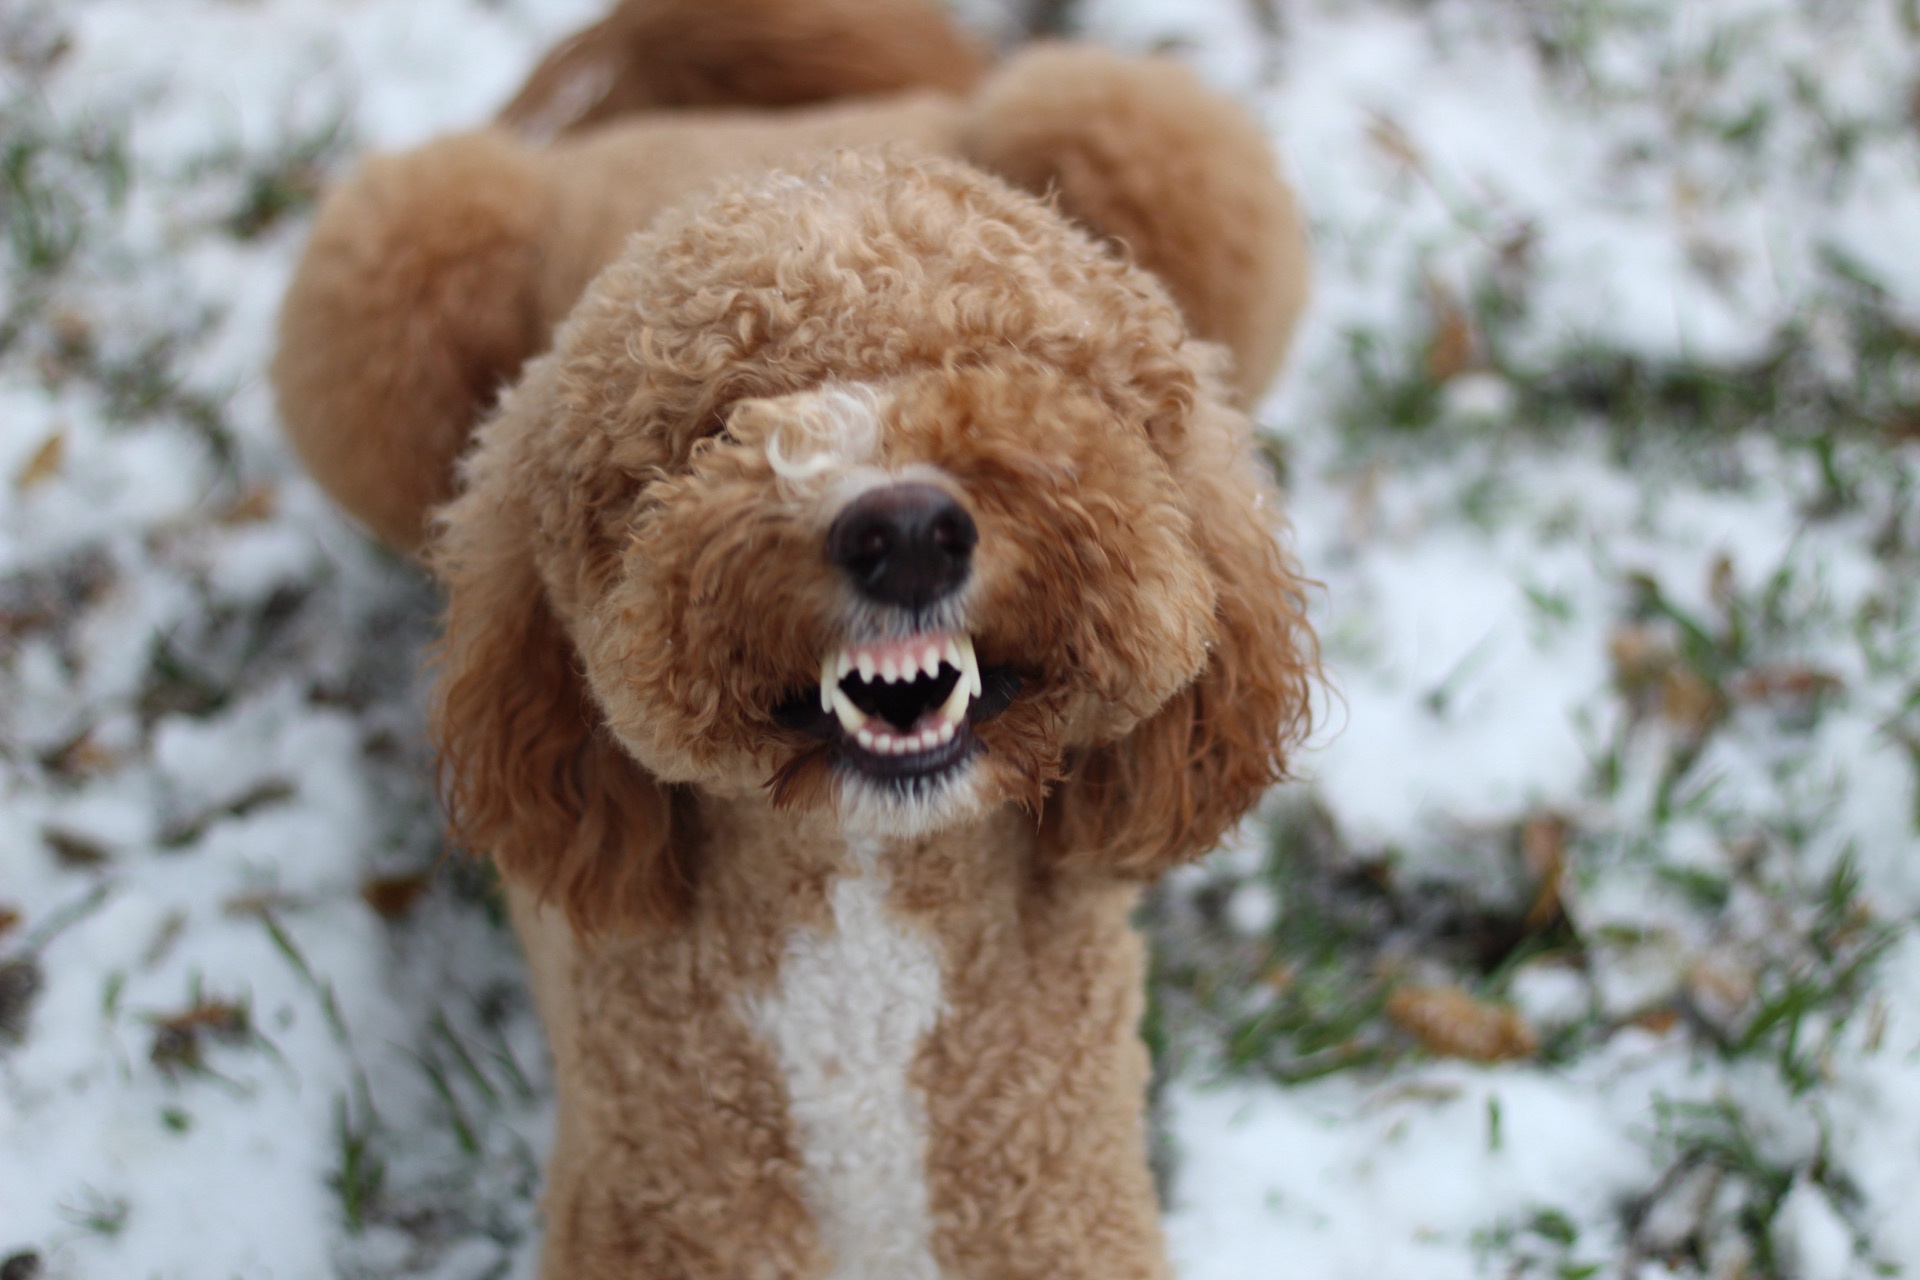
x=916, y=742
x=930, y=660
x=866, y=667
x=954, y=709
x=890, y=671
x=909, y=667
x=852, y=718
x=827, y=682
x=951, y=654
x=842, y=667
x=865, y=739
x=969, y=664
x=945, y=735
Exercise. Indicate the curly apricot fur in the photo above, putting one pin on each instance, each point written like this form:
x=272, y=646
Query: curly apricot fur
x=636, y=581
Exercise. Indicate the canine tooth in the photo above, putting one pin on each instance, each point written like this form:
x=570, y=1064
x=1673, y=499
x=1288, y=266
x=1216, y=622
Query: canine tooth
x=954, y=709
x=852, y=718
x=970, y=665
x=865, y=739
x=827, y=682
x=866, y=667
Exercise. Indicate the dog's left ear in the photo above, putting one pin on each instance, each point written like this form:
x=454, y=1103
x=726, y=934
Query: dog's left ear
x=1169, y=790
x=529, y=774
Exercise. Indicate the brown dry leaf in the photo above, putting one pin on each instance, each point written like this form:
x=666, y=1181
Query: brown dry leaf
x=1722, y=587
x=1450, y=1022
x=393, y=896
x=260, y=902
x=179, y=1039
x=1451, y=350
x=1877, y=1017
x=1689, y=701
x=9, y=918
x=75, y=850
x=72, y=332
x=1721, y=985
x=1386, y=133
x=256, y=504
x=81, y=757
x=1543, y=849
x=1640, y=658
x=1787, y=683
x=45, y=463
x=1659, y=1021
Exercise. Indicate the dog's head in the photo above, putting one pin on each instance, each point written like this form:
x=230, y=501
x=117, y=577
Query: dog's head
x=881, y=488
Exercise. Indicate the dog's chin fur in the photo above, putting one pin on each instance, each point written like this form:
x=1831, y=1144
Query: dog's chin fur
x=871, y=810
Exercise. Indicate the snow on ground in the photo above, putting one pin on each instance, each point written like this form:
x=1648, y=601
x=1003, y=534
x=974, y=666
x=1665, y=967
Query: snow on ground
x=1584, y=944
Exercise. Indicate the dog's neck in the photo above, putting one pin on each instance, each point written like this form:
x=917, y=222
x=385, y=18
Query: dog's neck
x=856, y=995
x=874, y=1046
x=858, y=981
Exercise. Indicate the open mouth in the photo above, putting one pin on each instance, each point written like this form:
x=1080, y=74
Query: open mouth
x=902, y=708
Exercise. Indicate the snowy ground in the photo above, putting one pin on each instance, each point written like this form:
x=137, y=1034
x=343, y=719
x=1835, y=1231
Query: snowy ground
x=1585, y=947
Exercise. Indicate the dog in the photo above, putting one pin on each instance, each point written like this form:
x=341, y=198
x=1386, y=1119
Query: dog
x=864, y=586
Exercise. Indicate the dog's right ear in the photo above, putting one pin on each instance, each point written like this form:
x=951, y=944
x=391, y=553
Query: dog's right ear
x=528, y=772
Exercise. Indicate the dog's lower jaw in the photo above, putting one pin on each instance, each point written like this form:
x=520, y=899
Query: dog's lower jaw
x=728, y=1110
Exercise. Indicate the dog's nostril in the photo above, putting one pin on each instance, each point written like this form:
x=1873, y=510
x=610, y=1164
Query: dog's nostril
x=905, y=544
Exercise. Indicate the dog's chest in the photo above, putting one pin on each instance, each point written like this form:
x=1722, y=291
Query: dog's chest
x=846, y=1020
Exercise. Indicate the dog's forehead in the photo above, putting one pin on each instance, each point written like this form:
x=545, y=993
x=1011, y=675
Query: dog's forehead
x=830, y=437
x=808, y=433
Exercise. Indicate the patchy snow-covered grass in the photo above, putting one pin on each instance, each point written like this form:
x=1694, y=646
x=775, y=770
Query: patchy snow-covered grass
x=1584, y=946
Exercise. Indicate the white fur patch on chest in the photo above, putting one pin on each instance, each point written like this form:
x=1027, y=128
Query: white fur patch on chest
x=846, y=1021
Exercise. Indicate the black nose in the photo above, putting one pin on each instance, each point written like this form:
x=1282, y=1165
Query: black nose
x=906, y=544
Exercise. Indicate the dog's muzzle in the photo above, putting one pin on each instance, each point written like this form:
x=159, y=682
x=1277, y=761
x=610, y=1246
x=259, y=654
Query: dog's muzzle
x=899, y=703
x=907, y=545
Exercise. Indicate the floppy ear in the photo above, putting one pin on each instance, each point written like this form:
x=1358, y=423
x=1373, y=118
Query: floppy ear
x=1167, y=791
x=528, y=772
